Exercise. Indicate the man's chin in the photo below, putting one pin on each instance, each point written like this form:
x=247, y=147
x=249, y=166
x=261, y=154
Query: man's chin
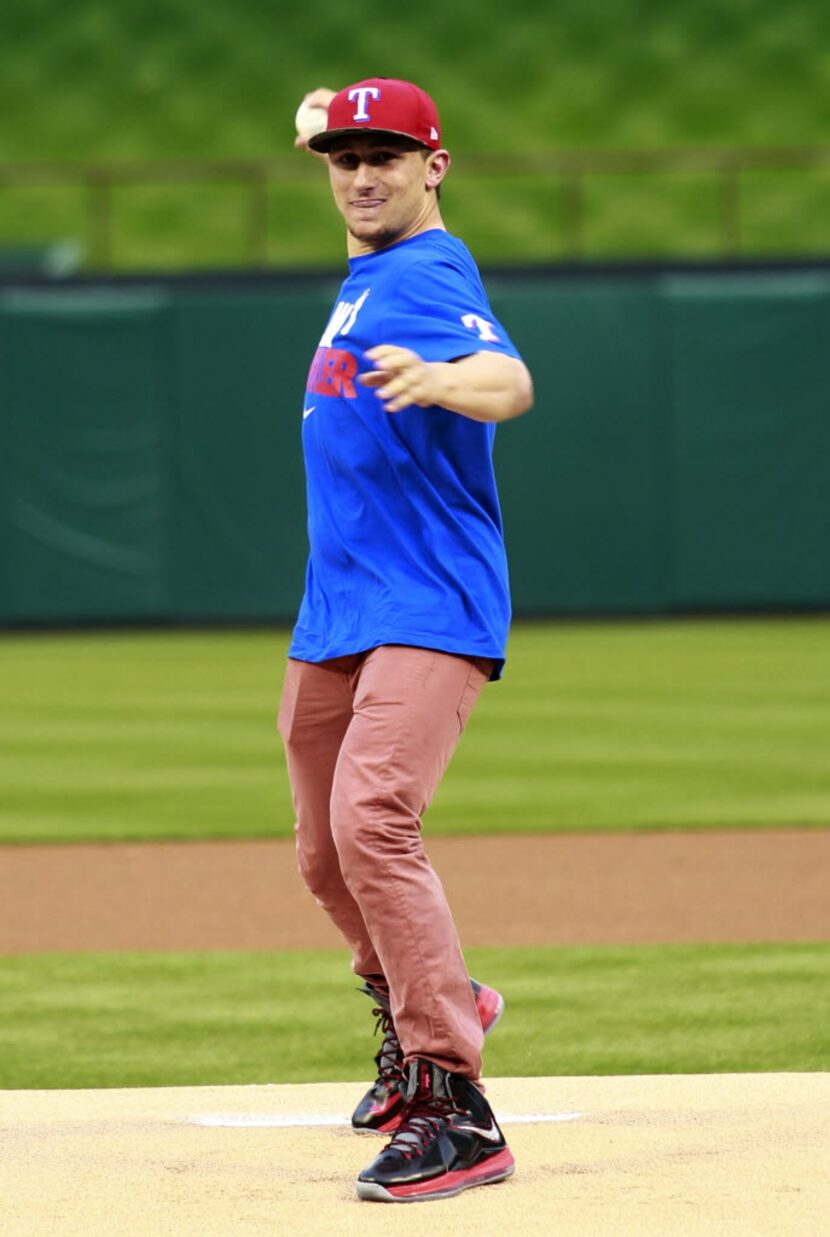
x=375, y=234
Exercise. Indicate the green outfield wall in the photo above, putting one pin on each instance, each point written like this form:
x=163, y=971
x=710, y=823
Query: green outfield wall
x=678, y=456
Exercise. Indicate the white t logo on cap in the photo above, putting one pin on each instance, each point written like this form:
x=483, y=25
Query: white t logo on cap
x=362, y=93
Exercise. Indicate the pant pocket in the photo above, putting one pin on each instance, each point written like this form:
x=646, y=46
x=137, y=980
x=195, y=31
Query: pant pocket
x=480, y=670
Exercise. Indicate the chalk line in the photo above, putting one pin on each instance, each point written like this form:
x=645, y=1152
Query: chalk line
x=261, y=1121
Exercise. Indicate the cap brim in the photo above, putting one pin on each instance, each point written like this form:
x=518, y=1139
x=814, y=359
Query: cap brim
x=321, y=142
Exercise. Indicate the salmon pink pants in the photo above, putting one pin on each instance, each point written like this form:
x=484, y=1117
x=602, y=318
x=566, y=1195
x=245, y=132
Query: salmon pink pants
x=367, y=739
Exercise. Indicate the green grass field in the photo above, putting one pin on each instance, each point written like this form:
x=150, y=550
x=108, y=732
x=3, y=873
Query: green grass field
x=131, y=81
x=197, y=1019
x=596, y=726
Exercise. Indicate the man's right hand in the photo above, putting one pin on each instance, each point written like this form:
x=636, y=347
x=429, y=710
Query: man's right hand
x=321, y=97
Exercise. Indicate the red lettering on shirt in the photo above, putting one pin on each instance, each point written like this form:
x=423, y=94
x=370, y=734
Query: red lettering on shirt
x=331, y=373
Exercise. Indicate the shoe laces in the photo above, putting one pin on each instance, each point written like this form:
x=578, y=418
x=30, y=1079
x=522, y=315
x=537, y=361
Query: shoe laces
x=422, y=1119
x=390, y=1057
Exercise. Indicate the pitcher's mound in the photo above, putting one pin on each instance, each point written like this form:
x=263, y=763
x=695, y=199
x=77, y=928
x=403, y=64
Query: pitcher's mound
x=685, y=1155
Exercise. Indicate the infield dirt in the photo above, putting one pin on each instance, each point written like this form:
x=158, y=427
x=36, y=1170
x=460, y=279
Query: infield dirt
x=681, y=1156
x=644, y=888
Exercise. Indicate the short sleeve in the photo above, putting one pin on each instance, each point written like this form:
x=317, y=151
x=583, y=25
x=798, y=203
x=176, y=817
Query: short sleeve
x=441, y=311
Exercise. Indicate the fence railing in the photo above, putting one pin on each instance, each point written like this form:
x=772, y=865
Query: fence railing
x=570, y=173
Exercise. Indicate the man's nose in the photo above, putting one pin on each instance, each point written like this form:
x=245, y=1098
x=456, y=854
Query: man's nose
x=364, y=175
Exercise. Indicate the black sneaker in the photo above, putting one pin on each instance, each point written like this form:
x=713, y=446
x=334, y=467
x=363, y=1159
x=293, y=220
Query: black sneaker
x=379, y=1112
x=447, y=1141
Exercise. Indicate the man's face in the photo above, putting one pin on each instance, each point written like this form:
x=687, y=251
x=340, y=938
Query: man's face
x=380, y=188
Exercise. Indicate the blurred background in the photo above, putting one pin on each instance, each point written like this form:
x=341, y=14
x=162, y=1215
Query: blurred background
x=644, y=183
x=143, y=135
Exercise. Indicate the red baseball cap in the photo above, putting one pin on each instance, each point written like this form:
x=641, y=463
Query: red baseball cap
x=381, y=105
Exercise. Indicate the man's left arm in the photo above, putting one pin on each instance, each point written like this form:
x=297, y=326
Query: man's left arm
x=484, y=386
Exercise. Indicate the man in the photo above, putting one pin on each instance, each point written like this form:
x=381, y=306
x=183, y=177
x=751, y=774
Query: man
x=403, y=621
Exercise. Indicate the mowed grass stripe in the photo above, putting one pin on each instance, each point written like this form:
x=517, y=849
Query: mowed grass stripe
x=115, y=1020
x=596, y=726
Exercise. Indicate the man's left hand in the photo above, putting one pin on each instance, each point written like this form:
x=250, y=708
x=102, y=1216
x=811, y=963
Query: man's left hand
x=401, y=378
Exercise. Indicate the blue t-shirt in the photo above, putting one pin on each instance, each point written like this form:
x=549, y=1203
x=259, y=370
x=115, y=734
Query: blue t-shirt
x=403, y=515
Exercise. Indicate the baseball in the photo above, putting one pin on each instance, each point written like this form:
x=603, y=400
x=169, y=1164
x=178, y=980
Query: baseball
x=311, y=118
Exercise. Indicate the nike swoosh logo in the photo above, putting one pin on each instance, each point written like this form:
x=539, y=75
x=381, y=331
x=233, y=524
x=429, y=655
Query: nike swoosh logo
x=493, y=1134
x=308, y=411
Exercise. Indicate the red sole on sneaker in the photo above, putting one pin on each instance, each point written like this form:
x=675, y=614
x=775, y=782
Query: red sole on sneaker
x=496, y=1169
x=490, y=1006
x=496, y=1016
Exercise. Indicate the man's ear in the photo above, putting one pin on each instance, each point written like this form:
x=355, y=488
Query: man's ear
x=437, y=166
